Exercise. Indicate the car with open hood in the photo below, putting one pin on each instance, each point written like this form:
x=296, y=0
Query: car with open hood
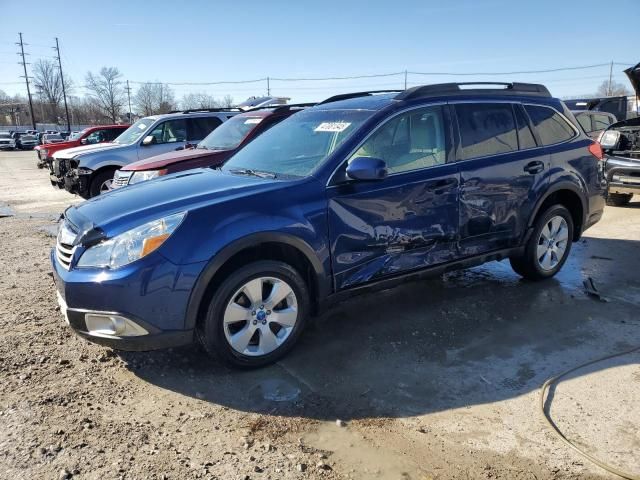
x=213, y=151
x=621, y=145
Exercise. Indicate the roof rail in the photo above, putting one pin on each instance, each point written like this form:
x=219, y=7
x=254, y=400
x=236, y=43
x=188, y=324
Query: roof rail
x=454, y=89
x=346, y=96
x=197, y=110
x=281, y=108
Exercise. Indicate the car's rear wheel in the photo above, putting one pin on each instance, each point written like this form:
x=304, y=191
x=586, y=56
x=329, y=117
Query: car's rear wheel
x=548, y=246
x=256, y=315
x=619, y=199
x=101, y=183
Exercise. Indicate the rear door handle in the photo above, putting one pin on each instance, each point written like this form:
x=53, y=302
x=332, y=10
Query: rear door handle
x=534, y=167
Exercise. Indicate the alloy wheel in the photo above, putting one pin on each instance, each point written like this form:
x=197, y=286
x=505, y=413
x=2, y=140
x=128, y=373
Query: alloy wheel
x=260, y=316
x=552, y=243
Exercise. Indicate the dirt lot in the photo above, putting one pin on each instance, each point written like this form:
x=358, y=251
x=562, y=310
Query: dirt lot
x=437, y=379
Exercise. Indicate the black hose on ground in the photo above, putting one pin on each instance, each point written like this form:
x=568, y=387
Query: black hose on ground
x=543, y=394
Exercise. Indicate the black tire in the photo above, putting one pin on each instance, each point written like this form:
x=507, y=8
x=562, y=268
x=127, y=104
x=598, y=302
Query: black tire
x=210, y=330
x=619, y=199
x=528, y=265
x=98, y=180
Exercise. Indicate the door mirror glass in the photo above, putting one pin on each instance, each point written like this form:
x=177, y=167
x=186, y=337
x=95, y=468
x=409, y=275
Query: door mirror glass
x=149, y=140
x=366, y=169
x=609, y=139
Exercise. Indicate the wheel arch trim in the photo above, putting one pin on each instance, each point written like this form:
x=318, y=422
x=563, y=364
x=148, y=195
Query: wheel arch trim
x=323, y=281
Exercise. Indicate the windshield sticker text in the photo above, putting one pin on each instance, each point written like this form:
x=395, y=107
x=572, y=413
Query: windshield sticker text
x=332, y=127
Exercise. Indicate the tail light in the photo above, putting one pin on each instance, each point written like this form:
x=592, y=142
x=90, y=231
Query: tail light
x=595, y=149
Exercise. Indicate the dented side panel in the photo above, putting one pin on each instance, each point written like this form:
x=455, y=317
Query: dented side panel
x=405, y=222
x=497, y=196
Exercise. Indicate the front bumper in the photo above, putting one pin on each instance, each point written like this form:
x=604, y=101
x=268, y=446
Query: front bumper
x=152, y=293
x=623, y=175
x=64, y=175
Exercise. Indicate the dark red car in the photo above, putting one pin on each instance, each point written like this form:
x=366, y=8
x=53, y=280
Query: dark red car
x=88, y=136
x=213, y=151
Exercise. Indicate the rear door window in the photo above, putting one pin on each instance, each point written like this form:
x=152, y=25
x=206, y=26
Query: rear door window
x=551, y=126
x=600, y=121
x=486, y=129
x=199, y=128
x=585, y=121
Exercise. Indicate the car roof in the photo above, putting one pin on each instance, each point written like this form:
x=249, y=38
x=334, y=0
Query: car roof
x=369, y=102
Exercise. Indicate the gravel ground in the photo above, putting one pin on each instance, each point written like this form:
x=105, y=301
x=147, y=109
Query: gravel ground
x=436, y=379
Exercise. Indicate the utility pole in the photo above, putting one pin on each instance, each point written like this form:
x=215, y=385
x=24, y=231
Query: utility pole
x=129, y=97
x=609, y=90
x=268, y=88
x=405, y=79
x=64, y=92
x=26, y=79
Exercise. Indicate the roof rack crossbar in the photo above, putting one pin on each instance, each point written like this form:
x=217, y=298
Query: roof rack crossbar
x=346, y=96
x=197, y=110
x=454, y=89
x=281, y=108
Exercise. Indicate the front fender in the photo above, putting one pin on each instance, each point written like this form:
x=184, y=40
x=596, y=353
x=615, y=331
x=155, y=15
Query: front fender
x=323, y=279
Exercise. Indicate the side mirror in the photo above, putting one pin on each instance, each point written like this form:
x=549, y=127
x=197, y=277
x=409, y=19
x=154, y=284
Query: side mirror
x=366, y=169
x=609, y=139
x=149, y=140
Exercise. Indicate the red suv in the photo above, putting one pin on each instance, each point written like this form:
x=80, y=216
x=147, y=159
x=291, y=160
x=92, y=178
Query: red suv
x=213, y=151
x=88, y=136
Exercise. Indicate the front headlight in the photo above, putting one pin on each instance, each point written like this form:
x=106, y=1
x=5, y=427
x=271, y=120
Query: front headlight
x=131, y=245
x=138, y=177
x=43, y=153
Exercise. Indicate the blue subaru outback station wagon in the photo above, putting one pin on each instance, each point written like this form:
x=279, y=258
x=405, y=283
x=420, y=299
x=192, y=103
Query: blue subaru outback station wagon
x=362, y=191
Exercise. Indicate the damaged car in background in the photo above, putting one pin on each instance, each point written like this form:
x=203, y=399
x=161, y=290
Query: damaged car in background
x=621, y=145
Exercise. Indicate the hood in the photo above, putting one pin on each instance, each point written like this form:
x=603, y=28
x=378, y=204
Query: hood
x=631, y=122
x=166, y=159
x=98, y=147
x=634, y=77
x=146, y=201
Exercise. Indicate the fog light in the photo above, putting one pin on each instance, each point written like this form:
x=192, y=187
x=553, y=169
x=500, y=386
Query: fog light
x=109, y=325
x=615, y=178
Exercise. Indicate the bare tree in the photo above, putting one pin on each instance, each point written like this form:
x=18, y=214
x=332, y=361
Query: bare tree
x=48, y=84
x=612, y=90
x=154, y=98
x=198, y=100
x=227, y=101
x=106, y=90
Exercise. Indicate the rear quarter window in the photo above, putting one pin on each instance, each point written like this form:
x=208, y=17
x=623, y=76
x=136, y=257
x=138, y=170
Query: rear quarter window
x=551, y=126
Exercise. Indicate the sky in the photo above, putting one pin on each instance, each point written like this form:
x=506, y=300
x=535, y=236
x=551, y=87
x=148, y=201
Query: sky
x=211, y=41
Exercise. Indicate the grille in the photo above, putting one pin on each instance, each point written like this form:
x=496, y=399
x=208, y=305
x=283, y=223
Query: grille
x=120, y=179
x=64, y=245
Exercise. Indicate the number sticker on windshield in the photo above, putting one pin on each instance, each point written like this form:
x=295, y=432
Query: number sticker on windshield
x=252, y=121
x=332, y=127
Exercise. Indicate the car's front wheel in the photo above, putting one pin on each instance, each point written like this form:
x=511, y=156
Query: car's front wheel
x=256, y=315
x=101, y=183
x=548, y=246
x=618, y=199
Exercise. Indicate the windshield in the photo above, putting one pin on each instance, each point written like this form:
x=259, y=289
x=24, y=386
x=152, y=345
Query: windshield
x=52, y=136
x=27, y=137
x=134, y=132
x=230, y=134
x=298, y=145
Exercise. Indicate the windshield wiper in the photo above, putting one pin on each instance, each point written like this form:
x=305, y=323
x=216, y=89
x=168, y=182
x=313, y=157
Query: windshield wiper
x=253, y=173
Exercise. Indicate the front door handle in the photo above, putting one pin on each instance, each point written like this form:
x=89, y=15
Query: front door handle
x=534, y=167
